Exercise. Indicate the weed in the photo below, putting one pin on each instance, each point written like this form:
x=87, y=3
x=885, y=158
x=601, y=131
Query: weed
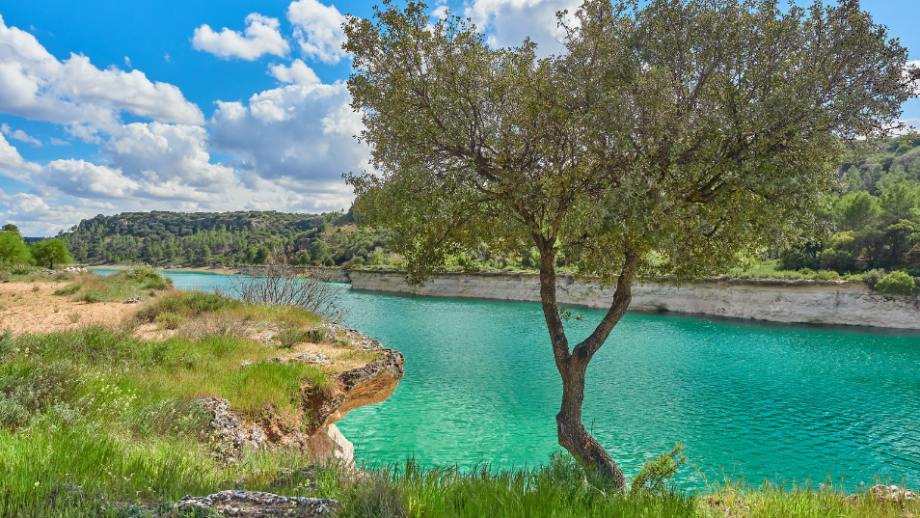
x=73, y=317
x=291, y=337
x=35, y=289
x=91, y=297
x=70, y=289
x=168, y=320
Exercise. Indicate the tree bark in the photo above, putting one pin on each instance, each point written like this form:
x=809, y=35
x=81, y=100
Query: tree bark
x=573, y=365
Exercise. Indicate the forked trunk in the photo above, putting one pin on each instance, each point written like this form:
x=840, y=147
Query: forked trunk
x=571, y=431
x=573, y=365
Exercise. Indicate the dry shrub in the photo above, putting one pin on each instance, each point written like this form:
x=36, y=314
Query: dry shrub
x=279, y=284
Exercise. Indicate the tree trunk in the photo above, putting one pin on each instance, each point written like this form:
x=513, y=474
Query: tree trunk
x=571, y=431
x=573, y=365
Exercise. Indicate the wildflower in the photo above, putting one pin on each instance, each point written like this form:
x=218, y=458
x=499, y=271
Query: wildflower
x=36, y=483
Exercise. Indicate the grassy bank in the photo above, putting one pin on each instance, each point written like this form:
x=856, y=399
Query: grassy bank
x=103, y=420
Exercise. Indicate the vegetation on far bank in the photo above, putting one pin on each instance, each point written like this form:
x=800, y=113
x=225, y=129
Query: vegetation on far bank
x=872, y=229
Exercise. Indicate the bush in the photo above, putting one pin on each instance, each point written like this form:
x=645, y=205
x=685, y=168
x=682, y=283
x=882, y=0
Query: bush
x=148, y=278
x=168, y=320
x=91, y=297
x=655, y=474
x=70, y=289
x=23, y=269
x=795, y=259
x=896, y=283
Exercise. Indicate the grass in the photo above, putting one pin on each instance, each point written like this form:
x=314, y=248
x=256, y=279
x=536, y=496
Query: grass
x=141, y=281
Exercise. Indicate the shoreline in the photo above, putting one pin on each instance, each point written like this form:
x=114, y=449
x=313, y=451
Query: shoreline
x=222, y=270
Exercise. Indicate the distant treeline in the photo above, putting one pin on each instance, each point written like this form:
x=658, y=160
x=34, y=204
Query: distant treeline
x=227, y=238
x=876, y=224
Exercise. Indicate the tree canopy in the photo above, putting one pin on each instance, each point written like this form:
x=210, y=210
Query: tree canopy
x=51, y=251
x=12, y=247
x=689, y=128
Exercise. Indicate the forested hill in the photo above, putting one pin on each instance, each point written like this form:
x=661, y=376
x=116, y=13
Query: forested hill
x=225, y=238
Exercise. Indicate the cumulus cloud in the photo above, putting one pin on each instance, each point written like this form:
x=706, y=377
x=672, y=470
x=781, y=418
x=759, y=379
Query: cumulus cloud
x=10, y=158
x=172, y=156
x=19, y=135
x=33, y=214
x=298, y=73
x=260, y=37
x=299, y=133
x=318, y=29
x=509, y=22
x=83, y=179
x=36, y=85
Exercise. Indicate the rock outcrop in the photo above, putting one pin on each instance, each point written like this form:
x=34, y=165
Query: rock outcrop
x=315, y=433
x=776, y=300
x=255, y=504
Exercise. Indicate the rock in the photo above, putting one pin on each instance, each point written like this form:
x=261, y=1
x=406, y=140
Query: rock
x=892, y=493
x=328, y=445
x=255, y=504
x=229, y=432
x=318, y=359
x=134, y=300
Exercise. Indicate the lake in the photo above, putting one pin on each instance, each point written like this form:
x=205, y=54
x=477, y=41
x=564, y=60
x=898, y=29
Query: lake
x=753, y=400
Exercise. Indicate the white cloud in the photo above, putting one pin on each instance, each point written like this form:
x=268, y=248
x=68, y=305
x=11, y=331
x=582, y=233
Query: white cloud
x=36, y=217
x=128, y=62
x=170, y=159
x=318, y=29
x=509, y=22
x=300, y=134
x=73, y=92
x=83, y=179
x=9, y=156
x=298, y=73
x=19, y=135
x=58, y=142
x=260, y=37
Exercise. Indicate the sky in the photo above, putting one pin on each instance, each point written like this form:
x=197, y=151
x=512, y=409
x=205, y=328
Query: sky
x=109, y=106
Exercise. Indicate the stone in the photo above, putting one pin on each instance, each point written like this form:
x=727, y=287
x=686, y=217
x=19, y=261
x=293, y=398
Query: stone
x=328, y=445
x=255, y=504
x=892, y=493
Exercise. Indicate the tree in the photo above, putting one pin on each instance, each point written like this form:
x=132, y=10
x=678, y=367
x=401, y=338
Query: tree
x=9, y=227
x=687, y=129
x=51, y=251
x=12, y=248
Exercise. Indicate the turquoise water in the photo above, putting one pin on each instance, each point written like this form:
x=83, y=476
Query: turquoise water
x=761, y=401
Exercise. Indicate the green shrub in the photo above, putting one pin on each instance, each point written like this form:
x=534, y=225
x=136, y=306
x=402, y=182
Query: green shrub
x=23, y=269
x=290, y=337
x=827, y=275
x=148, y=278
x=70, y=289
x=896, y=283
x=168, y=320
x=91, y=297
x=795, y=259
x=319, y=335
x=655, y=474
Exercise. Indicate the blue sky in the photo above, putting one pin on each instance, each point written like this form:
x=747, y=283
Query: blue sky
x=109, y=106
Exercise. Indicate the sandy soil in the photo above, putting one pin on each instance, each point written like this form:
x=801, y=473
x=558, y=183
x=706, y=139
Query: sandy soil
x=25, y=310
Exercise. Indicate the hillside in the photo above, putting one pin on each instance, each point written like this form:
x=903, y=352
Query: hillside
x=225, y=238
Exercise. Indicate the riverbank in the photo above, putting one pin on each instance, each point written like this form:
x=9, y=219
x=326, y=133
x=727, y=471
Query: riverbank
x=175, y=393
x=217, y=270
x=774, y=300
